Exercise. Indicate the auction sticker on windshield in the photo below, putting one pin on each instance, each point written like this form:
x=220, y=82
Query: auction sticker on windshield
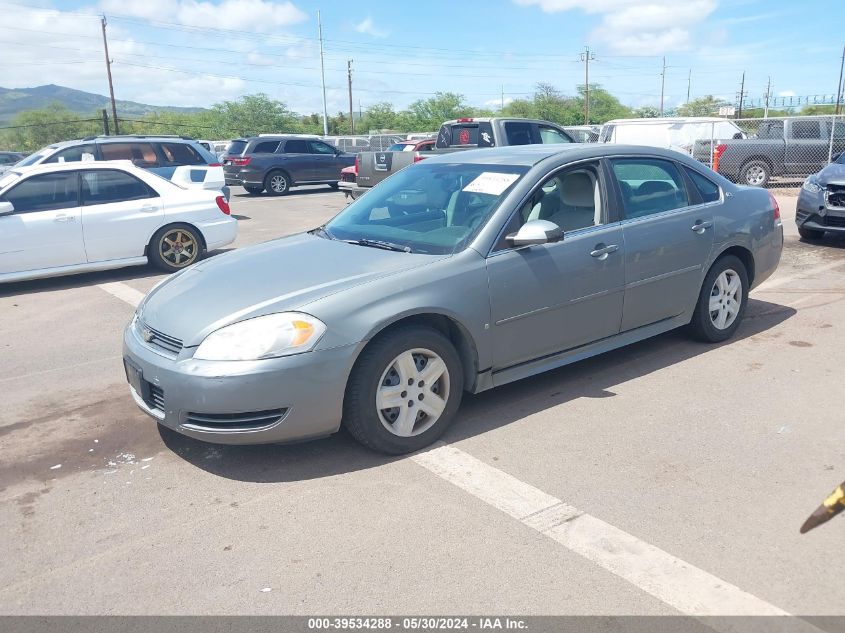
x=491, y=182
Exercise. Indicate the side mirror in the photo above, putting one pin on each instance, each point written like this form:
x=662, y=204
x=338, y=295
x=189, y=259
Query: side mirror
x=6, y=208
x=536, y=232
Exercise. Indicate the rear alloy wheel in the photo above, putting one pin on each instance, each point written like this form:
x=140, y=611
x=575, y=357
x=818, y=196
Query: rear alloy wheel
x=404, y=391
x=253, y=191
x=277, y=184
x=175, y=247
x=756, y=173
x=810, y=234
x=722, y=301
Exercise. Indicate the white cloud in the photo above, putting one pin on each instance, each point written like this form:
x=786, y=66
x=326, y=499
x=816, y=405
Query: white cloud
x=786, y=93
x=262, y=16
x=368, y=27
x=638, y=27
x=497, y=103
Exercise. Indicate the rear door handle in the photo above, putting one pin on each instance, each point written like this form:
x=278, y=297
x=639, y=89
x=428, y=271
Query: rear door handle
x=601, y=251
x=147, y=208
x=63, y=218
x=699, y=226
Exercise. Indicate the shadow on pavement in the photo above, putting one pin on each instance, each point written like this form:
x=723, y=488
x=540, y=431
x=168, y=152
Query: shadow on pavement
x=592, y=378
x=291, y=194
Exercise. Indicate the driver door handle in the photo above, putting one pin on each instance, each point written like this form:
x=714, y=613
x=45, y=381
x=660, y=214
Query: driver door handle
x=699, y=227
x=601, y=251
x=148, y=208
x=63, y=217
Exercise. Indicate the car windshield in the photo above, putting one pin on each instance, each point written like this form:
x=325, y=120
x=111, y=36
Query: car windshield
x=841, y=159
x=434, y=208
x=34, y=158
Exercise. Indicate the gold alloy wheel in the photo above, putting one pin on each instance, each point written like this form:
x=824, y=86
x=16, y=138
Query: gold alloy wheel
x=178, y=248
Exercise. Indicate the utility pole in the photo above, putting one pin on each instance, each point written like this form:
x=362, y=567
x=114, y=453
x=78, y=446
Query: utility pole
x=662, y=85
x=108, y=72
x=741, y=95
x=349, y=77
x=587, y=57
x=839, y=85
x=323, y=76
x=105, y=121
x=768, y=93
x=689, y=83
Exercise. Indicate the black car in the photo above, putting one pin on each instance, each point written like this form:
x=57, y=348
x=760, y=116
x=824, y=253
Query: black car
x=7, y=159
x=277, y=163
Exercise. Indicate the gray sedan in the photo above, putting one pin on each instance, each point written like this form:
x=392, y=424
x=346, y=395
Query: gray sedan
x=460, y=273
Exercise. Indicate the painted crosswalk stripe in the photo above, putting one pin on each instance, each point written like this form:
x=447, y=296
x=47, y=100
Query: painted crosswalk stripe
x=123, y=292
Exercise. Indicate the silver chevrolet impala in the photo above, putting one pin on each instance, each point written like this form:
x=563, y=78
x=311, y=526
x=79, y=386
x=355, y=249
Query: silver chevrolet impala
x=460, y=273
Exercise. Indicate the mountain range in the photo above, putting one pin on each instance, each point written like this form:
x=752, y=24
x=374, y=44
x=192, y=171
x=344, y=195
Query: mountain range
x=15, y=100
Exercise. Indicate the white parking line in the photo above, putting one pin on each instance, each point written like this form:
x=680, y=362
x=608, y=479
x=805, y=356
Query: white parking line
x=769, y=284
x=690, y=590
x=123, y=292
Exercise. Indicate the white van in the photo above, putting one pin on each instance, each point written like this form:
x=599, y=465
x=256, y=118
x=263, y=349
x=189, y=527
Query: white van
x=678, y=133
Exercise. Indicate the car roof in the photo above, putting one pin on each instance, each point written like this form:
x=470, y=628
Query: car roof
x=70, y=166
x=682, y=119
x=123, y=138
x=530, y=155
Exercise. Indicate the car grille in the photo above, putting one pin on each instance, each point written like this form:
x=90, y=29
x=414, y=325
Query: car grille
x=802, y=215
x=836, y=196
x=156, y=397
x=233, y=421
x=832, y=220
x=159, y=340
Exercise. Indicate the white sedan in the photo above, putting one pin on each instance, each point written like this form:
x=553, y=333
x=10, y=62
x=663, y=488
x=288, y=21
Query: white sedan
x=65, y=218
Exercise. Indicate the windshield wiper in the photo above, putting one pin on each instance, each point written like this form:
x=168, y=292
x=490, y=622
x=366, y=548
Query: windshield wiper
x=388, y=246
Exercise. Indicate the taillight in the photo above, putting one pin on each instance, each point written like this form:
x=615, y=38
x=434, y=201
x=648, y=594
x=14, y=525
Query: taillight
x=356, y=164
x=776, y=209
x=215, y=165
x=717, y=154
x=240, y=162
x=465, y=120
x=418, y=157
x=223, y=205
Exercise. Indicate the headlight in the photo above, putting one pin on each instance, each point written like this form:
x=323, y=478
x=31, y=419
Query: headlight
x=262, y=337
x=812, y=186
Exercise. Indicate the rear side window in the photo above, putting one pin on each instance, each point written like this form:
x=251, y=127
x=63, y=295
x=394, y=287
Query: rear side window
x=551, y=135
x=266, y=147
x=649, y=186
x=770, y=129
x=236, y=148
x=141, y=154
x=318, y=147
x=296, y=146
x=181, y=154
x=518, y=133
x=708, y=189
x=45, y=192
x=103, y=186
x=806, y=129
x=73, y=154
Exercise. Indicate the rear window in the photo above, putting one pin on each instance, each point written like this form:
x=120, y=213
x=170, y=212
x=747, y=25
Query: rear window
x=181, y=154
x=141, y=154
x=708, y=189
x=464, y=135
x=236, y=148
x=296, y=147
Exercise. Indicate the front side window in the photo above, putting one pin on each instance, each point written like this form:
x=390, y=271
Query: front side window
x=102, y=186
x=806, y=129
x=551, y=135
x=518, y=133
x=770, y=129
x=427, y=208
x=296, y=146
x=649, y=185
x=571, y=199
x=45, y=192
x=181, y=154
x=73, y=154
x=141, y=154
x=320, y=148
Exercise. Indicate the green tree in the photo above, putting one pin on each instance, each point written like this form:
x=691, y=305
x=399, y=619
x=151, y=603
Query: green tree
x=33, y=129
x=379, y=116
x=520, y=108
x=809, y=110
x=646, y=112
x=551, y=105
x=703, y=106
x=253, y=114
x=443, y=106
x=603, y=105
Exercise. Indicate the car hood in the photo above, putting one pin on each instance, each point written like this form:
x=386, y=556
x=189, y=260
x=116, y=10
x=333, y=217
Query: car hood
x=835, y=172
x=279, y=275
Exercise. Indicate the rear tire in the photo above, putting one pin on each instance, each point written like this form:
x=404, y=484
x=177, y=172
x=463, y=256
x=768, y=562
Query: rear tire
x=721, y=301
x=277, y=183
x=755, y=173
x=175, y=247
x=334, y=185
x=810, y=234
x=253, y=191
x=404, y=390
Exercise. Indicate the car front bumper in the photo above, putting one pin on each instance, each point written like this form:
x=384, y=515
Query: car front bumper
x=812, y=211
x=240, y=402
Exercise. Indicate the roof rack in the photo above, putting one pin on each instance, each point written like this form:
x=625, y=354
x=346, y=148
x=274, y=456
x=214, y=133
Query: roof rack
x=184, y=138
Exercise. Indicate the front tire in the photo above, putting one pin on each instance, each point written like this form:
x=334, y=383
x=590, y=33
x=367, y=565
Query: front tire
x=175, y=247
x=404, y=390
x=755, y=173
x=277, y=183
x=722, y=301
x=810, y=234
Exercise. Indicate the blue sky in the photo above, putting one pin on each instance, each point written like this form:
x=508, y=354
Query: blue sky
x=197, y=52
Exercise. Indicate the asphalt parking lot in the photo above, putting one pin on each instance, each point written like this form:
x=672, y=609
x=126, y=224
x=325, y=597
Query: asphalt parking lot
x=689, y=469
